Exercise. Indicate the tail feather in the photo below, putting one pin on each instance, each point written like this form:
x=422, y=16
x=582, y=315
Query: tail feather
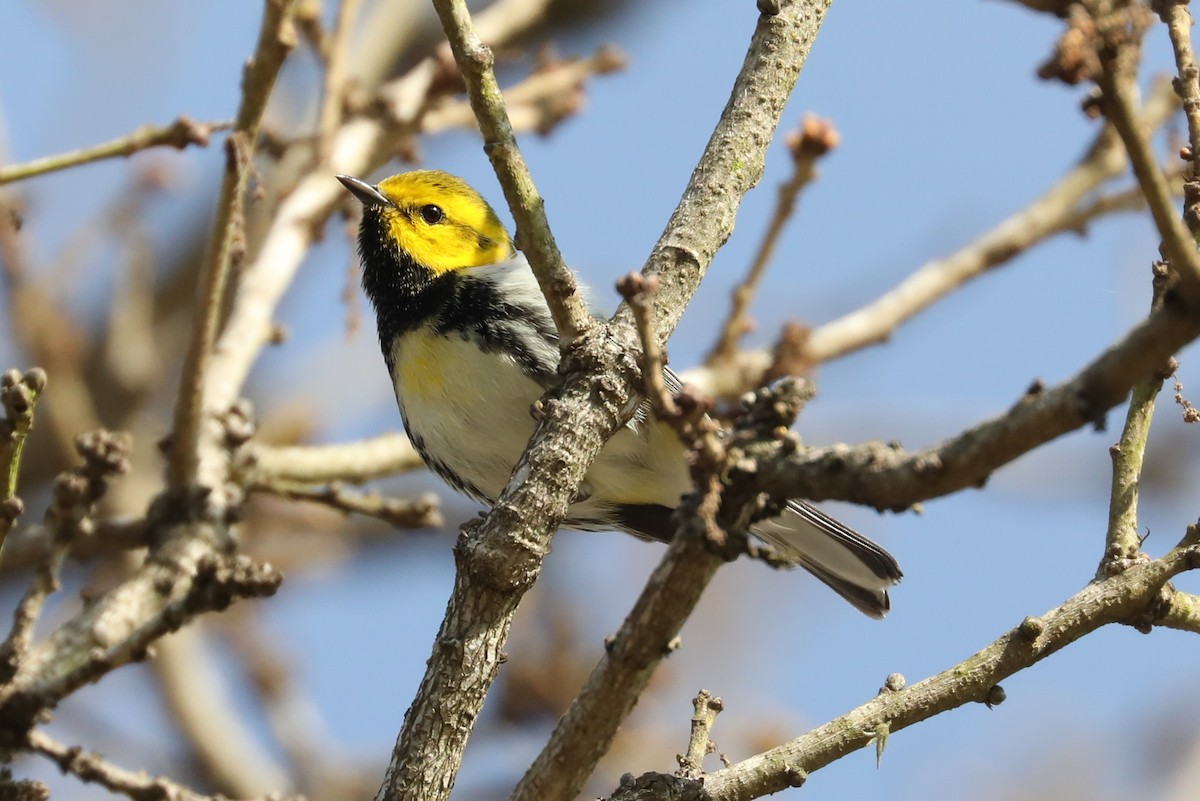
x=847, y=562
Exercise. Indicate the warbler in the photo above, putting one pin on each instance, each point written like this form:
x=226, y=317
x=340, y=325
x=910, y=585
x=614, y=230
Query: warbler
x=470, y=345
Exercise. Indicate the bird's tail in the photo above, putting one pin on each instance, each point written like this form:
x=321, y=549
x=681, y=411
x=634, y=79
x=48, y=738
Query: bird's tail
x=850, y=564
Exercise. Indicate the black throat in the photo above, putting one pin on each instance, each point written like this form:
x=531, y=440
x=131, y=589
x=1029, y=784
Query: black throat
x=405, y=294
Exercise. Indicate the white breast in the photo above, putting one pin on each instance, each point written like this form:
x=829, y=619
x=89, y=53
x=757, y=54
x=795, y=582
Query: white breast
x=470, y=408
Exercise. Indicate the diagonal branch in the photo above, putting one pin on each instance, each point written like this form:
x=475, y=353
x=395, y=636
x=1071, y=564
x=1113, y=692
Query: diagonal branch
x=1122, y=598
x=1041, y=219
x=1117, y=84
x=534, y=238
x=887, y=477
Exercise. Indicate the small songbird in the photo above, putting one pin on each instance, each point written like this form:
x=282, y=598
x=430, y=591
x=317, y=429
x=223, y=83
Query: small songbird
x=470, y=345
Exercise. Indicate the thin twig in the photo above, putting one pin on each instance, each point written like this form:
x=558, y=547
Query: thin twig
x=855, y=331
x=1117, y=84
x=94, y=769
x=179, y=134
x=1178, y=18
x=1122, y=542
x=705, y=708
x=18, y=398
x=534, y=238
x=815, y=138
x=887, y=477
x=638, y=291
x=529, y=97
x=419, y=512
x=76, y=492
x=226, y=245
x=1053, y=212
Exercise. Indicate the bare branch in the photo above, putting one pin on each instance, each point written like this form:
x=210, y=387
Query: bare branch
x=419, y=512
x=1122, y=542
x=1187, y=85
x=226, y=246
x=887, y=477
x=180, y=134
x=335, y=77
x=76, y=492
x=534, y=238
x=1051, y=214
x=353, y=462
x=705, y=708
x=18, y=397
x=1117, y=82
x=815, y=138
x=1120, y=598
x=92, y=768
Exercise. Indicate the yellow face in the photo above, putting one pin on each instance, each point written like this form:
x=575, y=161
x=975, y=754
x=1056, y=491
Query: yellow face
x=442, y=222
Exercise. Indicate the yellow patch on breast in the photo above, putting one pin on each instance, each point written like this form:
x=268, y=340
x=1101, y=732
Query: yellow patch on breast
x=420, y=359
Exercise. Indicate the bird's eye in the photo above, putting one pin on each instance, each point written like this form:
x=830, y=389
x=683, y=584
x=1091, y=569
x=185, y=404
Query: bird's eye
x=432, y=214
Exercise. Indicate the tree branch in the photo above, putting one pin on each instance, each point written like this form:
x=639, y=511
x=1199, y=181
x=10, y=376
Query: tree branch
x=1052, y=213
x=18, y=398
x=226, y=245
x=499, y=558
x=534, y=238
x=1117, y=85
x=93, y=769
x=353, y=462
x=1121, y=598
x=815, y=138
x=179, y=134
x=887, y=477
x=1122, y=541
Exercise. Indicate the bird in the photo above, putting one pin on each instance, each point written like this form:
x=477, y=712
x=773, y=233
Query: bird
x=470, y=346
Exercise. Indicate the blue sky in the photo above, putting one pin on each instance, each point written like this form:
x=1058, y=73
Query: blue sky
x=945, y=131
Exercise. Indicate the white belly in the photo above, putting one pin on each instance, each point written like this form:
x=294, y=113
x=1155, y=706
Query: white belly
x=475, y=419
